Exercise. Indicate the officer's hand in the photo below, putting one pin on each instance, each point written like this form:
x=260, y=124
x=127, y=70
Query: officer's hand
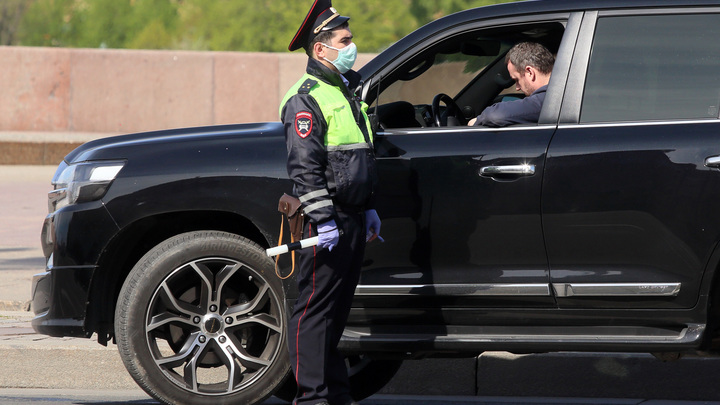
x=328, y=235
x=372, y=225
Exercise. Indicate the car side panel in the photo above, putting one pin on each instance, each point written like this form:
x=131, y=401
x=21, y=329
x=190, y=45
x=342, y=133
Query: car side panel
x=631, y=205
x=456, y=239
x=628, y=206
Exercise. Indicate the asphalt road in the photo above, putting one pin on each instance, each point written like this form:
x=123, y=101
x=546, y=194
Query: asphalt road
x=86, y=397
x=24, y=206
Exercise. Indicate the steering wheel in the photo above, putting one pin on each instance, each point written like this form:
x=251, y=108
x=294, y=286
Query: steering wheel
x=452, y=110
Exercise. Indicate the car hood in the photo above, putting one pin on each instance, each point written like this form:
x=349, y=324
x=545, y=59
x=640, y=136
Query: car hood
x=126, y=146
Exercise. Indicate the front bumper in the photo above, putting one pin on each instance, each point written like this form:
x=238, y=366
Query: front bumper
x=73, y=239
x=59, y=297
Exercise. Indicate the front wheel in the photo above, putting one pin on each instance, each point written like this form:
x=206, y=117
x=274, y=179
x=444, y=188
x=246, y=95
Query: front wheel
x=200, y=321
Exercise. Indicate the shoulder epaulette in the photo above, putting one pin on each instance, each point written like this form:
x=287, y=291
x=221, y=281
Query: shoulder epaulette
x=306, y=86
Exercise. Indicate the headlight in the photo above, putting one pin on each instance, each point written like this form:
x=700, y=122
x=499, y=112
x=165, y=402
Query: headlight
x=82, y=182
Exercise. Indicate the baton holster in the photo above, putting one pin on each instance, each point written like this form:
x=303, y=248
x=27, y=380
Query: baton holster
x=291, y=208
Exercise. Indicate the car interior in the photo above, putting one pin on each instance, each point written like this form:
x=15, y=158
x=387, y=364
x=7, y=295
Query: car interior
x=455, y=79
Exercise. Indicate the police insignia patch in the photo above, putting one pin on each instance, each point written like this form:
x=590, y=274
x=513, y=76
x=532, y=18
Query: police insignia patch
x=303, y=124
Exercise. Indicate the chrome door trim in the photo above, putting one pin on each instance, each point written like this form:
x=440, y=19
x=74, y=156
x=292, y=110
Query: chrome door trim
x=562, y=290
x=519, y=170
x=455, y=290
x=616, y=289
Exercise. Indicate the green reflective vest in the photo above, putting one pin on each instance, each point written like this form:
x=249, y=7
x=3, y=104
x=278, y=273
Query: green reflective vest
x=342, y=129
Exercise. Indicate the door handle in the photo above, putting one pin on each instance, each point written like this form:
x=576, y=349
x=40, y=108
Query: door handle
x=517, y=170
x=713, y=161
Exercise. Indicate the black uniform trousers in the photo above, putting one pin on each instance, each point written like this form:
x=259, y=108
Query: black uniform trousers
x=326, y=283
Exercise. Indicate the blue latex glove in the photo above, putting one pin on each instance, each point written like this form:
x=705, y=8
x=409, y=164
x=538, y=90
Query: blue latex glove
x=372, y=226
x=328, y=235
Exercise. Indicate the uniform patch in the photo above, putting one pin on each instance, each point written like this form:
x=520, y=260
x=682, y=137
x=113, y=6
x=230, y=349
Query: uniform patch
x=303, y=124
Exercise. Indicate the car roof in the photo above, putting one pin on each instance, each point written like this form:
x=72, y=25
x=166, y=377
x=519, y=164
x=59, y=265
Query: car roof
x=531, y=6
x=522, y=8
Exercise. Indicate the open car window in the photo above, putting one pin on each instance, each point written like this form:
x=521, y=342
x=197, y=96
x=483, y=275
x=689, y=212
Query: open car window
x=469, y=68
x=441, y=73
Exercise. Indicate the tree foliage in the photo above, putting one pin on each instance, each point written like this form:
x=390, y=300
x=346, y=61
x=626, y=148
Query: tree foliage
x=218, y=25
x=11, y=13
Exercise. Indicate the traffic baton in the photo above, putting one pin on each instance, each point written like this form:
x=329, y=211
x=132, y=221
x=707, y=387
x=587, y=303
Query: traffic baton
x=301, y=244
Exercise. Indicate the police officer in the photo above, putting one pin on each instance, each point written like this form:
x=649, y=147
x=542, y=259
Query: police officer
x=332, y=165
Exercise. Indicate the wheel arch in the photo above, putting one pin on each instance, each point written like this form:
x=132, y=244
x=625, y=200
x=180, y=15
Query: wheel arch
x=136, y=239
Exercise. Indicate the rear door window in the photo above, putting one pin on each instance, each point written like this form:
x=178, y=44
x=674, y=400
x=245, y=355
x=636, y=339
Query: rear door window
x=653, y=67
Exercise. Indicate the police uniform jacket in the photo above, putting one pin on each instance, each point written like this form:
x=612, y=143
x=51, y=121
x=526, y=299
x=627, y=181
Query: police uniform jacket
x=329, y=142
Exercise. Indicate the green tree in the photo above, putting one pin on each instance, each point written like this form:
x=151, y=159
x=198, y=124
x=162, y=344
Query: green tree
x=11, y=13
x=100, y=23
x=218, y=25
x=153, y=24
x=378, y=23
x=47, y=23
x=129, y=24
x=155, y=35
x=105, y=24
x=248, y=25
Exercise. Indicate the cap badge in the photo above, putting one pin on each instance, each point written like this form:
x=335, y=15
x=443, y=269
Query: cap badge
x=327, y=21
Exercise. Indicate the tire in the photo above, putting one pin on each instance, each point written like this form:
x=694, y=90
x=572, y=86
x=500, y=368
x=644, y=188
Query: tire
x=367, y=377
x=200, y=320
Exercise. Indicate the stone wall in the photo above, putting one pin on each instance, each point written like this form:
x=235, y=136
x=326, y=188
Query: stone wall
x=51, y=90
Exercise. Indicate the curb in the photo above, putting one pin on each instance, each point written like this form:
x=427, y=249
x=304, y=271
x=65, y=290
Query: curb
x=35, y=153
x=15, y=305
x=41, y=148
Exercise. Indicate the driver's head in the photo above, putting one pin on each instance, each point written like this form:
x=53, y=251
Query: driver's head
x=530, y=66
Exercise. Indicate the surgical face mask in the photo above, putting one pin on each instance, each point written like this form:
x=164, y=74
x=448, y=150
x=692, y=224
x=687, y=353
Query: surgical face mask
x=345, y=59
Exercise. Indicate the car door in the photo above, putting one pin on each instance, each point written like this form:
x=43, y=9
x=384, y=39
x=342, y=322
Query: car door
x=460, y=205
x=632, y=181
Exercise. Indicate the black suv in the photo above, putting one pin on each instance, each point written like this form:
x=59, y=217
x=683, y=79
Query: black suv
x=594, y=230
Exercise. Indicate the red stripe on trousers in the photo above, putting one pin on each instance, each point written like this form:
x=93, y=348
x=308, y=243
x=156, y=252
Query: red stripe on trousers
x=297, y=334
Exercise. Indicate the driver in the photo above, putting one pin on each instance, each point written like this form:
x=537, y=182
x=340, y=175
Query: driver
x=530, y=66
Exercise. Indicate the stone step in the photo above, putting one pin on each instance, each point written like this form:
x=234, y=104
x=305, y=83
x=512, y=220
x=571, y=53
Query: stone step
x=40, y=148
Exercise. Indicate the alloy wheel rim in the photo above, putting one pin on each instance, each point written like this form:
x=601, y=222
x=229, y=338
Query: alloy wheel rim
x=214, y=326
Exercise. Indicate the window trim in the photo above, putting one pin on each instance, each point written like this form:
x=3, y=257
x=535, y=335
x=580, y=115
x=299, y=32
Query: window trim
x=561, y=71
x=462, y=129
x=555, y=89
x=659, y=11
x=640, y=123
x=575, y=89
